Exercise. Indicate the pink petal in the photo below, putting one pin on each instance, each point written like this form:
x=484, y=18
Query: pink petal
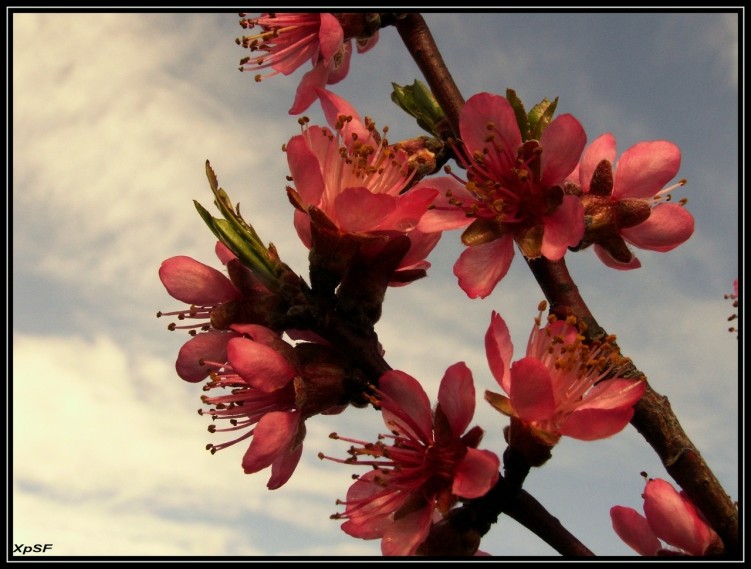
x=531, y=390
x=603, y=148
x=370, y=505
x=408, y=407
x=410, y=208
x=563, y=229
x=673, y=518
x=668, y=226
x=613, y=394
x=272, y=435
x=306, y=90
x=339, y=67
x=634, y=530
x=283, y=467
x=562, y=143
x=301, y=222
x=456, y=396
x=259, y=365
x=476, y=474
x=357, y=209
x=404, y=536
x=499, y=350
x=209, y=346
x=334, y=106
x=193, y=282
x=421, y=246
x=606, y=258
x=595, y=424
x=480, y=267
x=223, y=252
x=330, y=35
x=444, y=214
x=485, y=108
x=645, y=168
x=304, y=166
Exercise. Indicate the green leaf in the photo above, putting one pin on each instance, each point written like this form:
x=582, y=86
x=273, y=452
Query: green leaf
x=540, y=117
x=520, y=112
x=418, y=101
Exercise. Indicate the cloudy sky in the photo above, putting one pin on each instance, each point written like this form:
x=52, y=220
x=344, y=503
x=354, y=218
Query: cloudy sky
x=113, y=117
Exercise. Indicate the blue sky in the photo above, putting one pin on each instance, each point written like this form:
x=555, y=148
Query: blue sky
x=113, y=118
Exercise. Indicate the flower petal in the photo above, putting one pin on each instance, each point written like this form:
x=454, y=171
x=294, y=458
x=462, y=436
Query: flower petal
x=499, y=350
x=445, y=214
x=456, y=396
x=634, y=530
x=334, y=106
x=668, y=226
x=304, y=166
x=594, y=424
x=476, y=474
x=192, y=282
x=330, y=35
x=480, y=111
x=357, y=209
x=306, y=90
x=531, y=390
x=370, y=505
x=608, y=259
x=283, y=467
x=404, y=535
x=562, y=143
x=406, y=407
x=645, y=168
x=613, y=394
x=272, y=436
x=339, y=66
x=674, y=519
x=603, y=148
x=480, y=267
x=563, y=229
x=209, y=346
x=259, y=365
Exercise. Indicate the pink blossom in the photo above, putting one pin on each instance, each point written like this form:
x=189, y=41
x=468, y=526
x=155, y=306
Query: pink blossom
x=560, y=386
x=627, y=201
x=429, y=464
x=287, y=40
x=512, y=193
x=269, y=398
x=358, y=182
x=668, y=516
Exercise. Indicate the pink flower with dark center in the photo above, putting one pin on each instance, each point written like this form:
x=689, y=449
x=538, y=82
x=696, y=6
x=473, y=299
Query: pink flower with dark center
x=627, y=202
x=668, y=516
x=513, y=192
x=272, y=391
x=421, y=467
x=358, y=182
x=287, y=40
x=562, y=386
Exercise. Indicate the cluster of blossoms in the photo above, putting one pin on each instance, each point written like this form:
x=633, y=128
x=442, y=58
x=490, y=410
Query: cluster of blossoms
x=668, y=516
x=421, y=467
x=370, y=218
x=273, y=385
